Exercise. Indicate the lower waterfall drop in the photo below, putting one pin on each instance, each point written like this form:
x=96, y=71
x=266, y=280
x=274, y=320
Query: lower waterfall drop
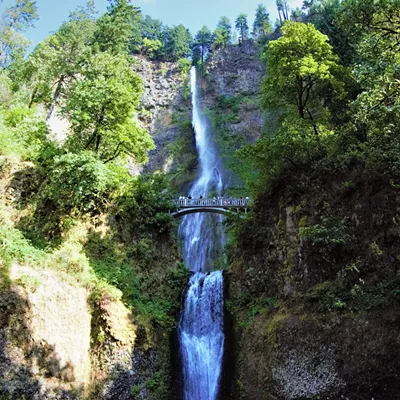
x=201, y=327
x=202, y=337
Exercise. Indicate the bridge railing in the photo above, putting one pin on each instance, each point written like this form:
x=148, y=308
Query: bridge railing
x=222, y=202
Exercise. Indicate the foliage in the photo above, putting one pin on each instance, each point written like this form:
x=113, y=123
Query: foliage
x=202, y=42
x=297, y=63
x=184, y=66
x=22, y=132
x=242, y=27
x=101, y=109
x=152, y=29
x=151, y=47
x=15, y=20
x=327, y=16
x=223, y=33
x=378, y=28
x=262, y=24
x=114, y=29
x=173, y=43
x=178, y=43
x=57, y=62
x=75, y=181
x=329, y=232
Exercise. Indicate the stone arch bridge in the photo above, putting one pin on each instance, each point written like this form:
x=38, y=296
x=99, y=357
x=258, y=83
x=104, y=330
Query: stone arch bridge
x=222, y=206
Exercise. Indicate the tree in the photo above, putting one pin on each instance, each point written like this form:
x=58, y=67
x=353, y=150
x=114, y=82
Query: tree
x=376, y=25
x=223, y=33
x=296, y=15
x=178, y=43
x=242, y=27
x=83, y=13
x=56, y=62
x=101, y=110
x=16, y=20
x=118, y=27
x=196, y=55
x=328, y=18
x=152, y=28
x=151, y=47
x=297, y=63
x=283, y=10
x=203, y=41
x=262, y=24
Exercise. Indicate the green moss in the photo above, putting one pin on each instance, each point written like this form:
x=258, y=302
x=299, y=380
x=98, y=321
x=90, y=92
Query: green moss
x=303, y=221
x=224, y=113
x=343, y=296
x=291, y=261
x=275, y=323
x=281, y=225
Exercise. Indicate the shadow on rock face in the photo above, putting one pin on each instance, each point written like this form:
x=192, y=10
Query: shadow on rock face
x=24, y=365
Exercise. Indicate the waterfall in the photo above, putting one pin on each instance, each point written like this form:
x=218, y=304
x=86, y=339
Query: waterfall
x=200, y=329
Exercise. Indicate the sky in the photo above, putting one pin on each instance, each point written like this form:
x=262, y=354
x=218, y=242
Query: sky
x=193, y=14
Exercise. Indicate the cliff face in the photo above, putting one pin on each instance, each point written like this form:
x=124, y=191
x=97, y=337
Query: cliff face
x=231, y=101
x=165, y=111
x=314, y=293
x=231, y=90
x=313, y=282
x=91, y=315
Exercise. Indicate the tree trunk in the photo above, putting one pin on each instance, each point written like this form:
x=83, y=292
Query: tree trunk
x=98, y=143
x=33, y=97
x=280, y=17
x=56, y=96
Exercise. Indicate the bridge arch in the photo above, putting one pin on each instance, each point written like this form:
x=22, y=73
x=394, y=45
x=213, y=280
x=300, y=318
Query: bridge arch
x=213, y=210
x=223, y=206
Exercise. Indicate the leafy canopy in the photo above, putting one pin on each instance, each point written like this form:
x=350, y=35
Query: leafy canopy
x=242, y=27
x=223, y=33
x=296, y=63
x=101, y=108
x=178, y=43
x=57, y=61
x=203, y=41
x=116, y=27
x=15, y=20
x=262, y=24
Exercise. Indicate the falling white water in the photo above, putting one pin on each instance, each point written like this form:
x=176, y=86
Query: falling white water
x=201, y=326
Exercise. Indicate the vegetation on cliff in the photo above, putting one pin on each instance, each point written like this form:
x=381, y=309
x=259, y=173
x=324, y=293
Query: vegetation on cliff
x=314, y=275
x=315, y=268
x=69, y=205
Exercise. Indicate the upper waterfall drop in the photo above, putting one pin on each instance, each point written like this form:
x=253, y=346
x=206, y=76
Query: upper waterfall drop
x=199, y=240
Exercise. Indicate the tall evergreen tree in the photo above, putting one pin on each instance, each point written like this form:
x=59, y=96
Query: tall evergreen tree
x=223, y=33
x=262, y=24
x=152, y=28
x=178, y=43
x=118, y=27
x=242, y=27
x=203, y=41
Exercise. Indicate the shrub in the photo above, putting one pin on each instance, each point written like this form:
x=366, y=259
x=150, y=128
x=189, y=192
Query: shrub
x=22, y=132
x=76, y=181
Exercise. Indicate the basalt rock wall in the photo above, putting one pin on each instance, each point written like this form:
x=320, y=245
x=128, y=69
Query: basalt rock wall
x=313, y=291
